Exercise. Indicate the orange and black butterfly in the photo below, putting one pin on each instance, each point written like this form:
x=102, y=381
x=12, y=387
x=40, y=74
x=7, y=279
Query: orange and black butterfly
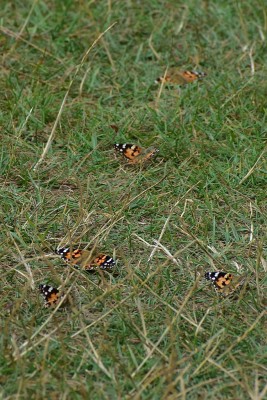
x=85, y=261
x=174, y=77
x=135, y=154
x=225, y=283
x=50, y=294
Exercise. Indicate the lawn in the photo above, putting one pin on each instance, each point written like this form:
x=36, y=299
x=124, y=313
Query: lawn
x=76, y=78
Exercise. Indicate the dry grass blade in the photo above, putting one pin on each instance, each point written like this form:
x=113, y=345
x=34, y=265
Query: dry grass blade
x=253, y=167
x=187, y=297
x=244, y=335
x=18, y=36
x=22, y=352
x=51, y=137
x=160, y=90
x=27, y=266
x=139, y=307
x=168, y=219
x=95, y=356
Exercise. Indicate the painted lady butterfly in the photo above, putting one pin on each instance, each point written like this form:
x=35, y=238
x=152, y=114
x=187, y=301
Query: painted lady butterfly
x=134, y=153
x=51, y=295
x=174, y=77
x=82, y=259
x=225, y=283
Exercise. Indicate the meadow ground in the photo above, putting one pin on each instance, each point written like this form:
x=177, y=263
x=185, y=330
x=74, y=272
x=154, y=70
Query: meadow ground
x=155, y=329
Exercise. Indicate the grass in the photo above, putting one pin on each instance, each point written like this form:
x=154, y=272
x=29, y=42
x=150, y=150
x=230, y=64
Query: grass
x=155, y=329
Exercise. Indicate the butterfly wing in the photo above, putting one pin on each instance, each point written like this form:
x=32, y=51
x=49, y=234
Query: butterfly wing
x=164, y=79
x=50, y=294
x=147, y=154
x=102, y=261
x=84, y=259
x=236, y=284
x=191, y=76
x=71, y=256
x=175, y=77
x=129, y=151
x=219, y=280
x=225, y=283
x=134, y=153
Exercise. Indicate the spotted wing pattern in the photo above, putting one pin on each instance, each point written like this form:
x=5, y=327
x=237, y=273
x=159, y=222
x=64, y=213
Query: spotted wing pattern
x=135, y=154
x=50, y=294
x=82, y=259
x=225, y=283
x=129, y=151
x=102, y=261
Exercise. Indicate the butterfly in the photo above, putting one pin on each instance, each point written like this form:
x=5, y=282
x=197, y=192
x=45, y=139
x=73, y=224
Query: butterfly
x=83, y=259
x=51, y=295
x=174, y=77
x=225, y=283
x=135, y=154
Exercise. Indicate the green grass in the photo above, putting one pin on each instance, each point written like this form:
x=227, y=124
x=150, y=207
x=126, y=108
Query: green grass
x=155, y=329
